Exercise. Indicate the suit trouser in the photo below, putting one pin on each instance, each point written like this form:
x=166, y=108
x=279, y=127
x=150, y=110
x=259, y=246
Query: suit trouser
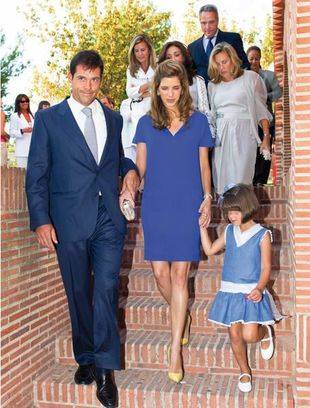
x=93, y=305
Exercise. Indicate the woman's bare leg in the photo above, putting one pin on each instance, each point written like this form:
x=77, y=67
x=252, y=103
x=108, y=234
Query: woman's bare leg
x=178, y=309
x=161, y=270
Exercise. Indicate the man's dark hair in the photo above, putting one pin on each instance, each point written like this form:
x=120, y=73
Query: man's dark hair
x=254, y=48
x=209, y=8
x=89, y=59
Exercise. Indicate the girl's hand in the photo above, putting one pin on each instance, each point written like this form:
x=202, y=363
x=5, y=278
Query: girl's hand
x=205, y=211
x=255, y=295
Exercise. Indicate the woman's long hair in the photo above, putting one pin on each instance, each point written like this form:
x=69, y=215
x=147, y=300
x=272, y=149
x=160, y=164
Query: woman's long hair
x=134, y=64
x=18, y=100
x=159, y=114
x=213, y=71
x=187, y=60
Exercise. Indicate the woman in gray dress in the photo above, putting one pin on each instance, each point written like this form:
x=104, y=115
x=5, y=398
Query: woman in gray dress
x=238, y=104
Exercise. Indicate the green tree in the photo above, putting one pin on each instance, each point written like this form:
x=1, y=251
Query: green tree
x=267, y=44
x=108, y=30
x=191, y=23
x=11, y=65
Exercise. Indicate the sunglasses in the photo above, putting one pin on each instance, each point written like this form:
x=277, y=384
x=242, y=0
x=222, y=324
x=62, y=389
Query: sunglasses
x=24, y=101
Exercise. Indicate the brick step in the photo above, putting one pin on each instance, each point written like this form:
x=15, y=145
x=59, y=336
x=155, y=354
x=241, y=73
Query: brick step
x=133, y=257
x=148, y=313
x=279, y=230
x=202, y=283
x=152, y=389
x=205, y=353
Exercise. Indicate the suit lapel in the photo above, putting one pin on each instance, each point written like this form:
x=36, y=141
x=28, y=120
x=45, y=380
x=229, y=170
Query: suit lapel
x=108, y=119
x=70, y=126
x=219, y=37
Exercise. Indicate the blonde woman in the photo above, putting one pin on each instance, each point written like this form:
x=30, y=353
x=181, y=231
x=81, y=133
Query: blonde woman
x=172, y=155
x=238, y=103
x=140, y=71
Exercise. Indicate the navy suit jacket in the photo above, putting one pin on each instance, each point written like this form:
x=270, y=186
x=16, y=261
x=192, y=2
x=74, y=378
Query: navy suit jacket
x=63, y=179
x=199, y=55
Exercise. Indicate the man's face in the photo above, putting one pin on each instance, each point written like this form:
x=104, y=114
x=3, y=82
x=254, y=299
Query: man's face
x=85, y=84
x=209, y=23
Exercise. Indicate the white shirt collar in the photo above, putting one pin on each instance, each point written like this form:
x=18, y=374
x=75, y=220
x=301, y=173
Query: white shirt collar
x=77, y=107
x=242, y=237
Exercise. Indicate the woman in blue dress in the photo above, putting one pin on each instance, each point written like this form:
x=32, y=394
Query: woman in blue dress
x=172, y=158
x=243, y=304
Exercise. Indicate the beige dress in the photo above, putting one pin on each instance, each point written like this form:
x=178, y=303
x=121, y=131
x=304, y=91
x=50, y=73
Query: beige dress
x=237, y=107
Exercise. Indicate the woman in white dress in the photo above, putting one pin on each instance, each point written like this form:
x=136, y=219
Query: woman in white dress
x=142, y=63
x=21, y=124
x=238, y=104
x=177, y=51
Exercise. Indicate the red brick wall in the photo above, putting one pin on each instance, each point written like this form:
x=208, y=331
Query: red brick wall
x=33, y=304
x=296, y=46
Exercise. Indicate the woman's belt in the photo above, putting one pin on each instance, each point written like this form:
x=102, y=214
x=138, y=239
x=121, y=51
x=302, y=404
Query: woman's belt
x=233, y=115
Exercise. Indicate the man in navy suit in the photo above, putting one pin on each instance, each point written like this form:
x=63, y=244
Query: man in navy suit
x=201, y=49
x=75, y=160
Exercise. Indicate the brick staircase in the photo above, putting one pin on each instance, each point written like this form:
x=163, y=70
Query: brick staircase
x=211, y=372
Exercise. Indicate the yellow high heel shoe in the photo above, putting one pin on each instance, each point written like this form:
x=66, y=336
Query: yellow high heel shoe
x=185, y=339
x=175, y=377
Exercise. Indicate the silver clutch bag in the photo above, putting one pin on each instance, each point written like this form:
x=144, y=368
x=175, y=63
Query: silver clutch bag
x=128, y=210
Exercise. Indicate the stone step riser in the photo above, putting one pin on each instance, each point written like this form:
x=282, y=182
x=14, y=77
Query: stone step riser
x=203, y=354
x=143, y=314
x=149, y=389
x=279, y=230
x=133, y=257
x=202, y=284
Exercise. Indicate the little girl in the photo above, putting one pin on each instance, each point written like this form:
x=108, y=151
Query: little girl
x=140, y=72
x=243, y=304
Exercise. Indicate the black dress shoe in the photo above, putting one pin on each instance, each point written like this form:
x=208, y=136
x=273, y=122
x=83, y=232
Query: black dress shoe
x=84, y=374
x=106, y=390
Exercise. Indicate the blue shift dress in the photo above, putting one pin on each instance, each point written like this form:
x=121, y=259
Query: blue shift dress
x=173, y=190
x=240, y=274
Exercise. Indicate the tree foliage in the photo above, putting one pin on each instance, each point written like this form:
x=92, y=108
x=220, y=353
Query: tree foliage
x=108, y=29
x=11, y=65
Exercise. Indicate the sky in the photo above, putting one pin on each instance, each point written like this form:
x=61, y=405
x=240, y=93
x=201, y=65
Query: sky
x=13, y=23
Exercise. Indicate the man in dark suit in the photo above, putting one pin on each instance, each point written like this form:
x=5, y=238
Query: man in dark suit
x=75, y=160
x=201, y=49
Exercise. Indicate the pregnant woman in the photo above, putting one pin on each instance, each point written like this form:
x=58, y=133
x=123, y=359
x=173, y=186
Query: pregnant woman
x=172, y=157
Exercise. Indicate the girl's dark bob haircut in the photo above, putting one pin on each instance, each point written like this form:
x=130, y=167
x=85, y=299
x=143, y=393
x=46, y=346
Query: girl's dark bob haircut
x=241, y=198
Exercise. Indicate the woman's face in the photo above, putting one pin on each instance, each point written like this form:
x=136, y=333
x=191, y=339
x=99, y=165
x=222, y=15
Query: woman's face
x=224, y=65
x=169, y=91
x=174, y=53
x=142, y=53
x=254, y=60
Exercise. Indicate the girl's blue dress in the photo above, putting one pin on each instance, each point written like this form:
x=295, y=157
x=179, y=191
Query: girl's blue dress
x=241, y=272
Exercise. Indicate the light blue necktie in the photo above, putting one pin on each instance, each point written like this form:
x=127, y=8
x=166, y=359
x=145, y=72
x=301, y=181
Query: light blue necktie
x=90, y=133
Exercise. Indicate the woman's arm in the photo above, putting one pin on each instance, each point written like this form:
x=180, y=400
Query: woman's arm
x=207, y=245
x=141, y=159
x=266, y=140
x=15, y=130
x=205, y=207
x=132, y=90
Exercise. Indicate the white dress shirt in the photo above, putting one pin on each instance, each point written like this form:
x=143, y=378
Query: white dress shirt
x=98, y=118
x=206, y=40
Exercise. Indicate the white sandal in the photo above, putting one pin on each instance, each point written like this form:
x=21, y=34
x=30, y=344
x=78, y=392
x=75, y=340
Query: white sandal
x=268, y=352
x=245, y=386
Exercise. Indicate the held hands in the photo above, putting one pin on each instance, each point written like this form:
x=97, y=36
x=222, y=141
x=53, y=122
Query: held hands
x=255, y=295
x=46, y=236
x=205, y=211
